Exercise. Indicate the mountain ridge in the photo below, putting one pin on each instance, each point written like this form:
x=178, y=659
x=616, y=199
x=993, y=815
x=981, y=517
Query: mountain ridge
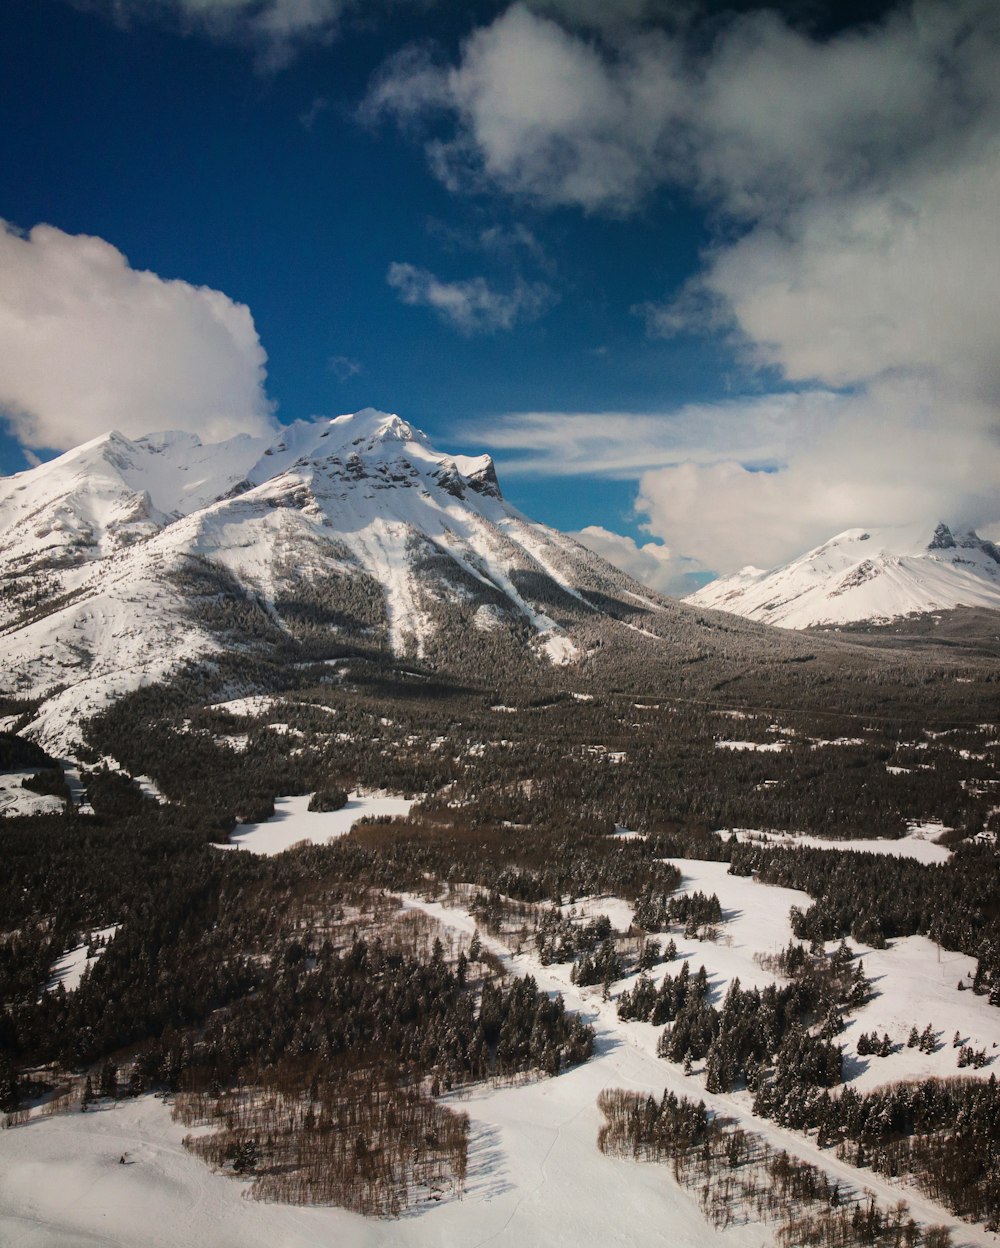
x=124, y=560
x=351, y=549
x=865, y=575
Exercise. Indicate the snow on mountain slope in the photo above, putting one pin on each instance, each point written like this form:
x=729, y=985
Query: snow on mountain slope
x=865, y=575
x=100, y=498
x=122, y=559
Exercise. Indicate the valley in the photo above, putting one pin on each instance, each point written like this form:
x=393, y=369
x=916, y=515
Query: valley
x=512, y=840
x=562, y=810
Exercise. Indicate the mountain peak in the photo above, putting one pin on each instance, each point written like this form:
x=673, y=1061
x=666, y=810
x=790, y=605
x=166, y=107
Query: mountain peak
x=369, y=422
x=350, y=532
x=943, y=538
x=866, y=575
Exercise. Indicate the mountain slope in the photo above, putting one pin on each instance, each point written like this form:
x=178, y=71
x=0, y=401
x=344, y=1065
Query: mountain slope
x=865, y=575
x=124, y=560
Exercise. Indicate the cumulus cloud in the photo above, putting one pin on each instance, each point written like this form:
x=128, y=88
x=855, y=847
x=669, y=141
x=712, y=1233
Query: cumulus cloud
x=882, y=459
x=651, y=563
x=853, y=180
x=88, y=344
x=472, y=305
x=754, y=118
x=857, y=286
x=539, y=111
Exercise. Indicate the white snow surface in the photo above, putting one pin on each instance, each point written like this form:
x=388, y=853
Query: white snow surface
x=764, y=747
x=15, y=800
x=865, y=574
x=918, y=843
x=536, y=1176
x=256, y=704
x=914, y=982
x=293, y=822
x=68, y=970
x=114, y=530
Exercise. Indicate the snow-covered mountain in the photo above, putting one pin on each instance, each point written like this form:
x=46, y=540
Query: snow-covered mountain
x=122, y=559
x=865, y=575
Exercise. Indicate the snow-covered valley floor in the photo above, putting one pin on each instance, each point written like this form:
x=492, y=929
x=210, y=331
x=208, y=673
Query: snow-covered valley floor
x=919, y=843
x=536, y=1176
x=293, y=822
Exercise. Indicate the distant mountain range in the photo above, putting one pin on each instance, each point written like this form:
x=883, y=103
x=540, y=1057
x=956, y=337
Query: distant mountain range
x=865, y=575
x=250, y=566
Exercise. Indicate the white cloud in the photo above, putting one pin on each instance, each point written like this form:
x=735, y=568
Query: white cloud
x=344, y=368
x=275, y=28
x=853, y=287
x=854, y=180
x=540, y=112
x=884, y=457
x=651, y=563
x=761, y=480
x=624, y=445
x=756, y=116
x=89, y=344
x=472, y=306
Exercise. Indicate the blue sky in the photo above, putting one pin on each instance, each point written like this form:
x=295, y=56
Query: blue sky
x=673, y=271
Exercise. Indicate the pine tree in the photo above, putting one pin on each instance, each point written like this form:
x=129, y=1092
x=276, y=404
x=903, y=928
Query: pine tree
x=860, y=986
x=10, y=1092
x=109, y=1079
x=245, y=1156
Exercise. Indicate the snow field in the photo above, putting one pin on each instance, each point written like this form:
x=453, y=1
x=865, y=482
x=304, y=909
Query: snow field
x=625, y=1057
x=255, y=704
x=15, y=800
x=913, y=981
x=293, y=822
x=764, y=747
x=68, y=970
x=917, y=844
x=536, y=1177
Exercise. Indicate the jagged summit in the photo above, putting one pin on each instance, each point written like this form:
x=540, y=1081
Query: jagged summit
x=866, y=575
x=113, y=491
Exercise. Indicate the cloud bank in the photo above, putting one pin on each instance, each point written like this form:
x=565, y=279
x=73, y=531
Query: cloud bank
x=651, y=563
x=88, y=344
x=853, y=180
